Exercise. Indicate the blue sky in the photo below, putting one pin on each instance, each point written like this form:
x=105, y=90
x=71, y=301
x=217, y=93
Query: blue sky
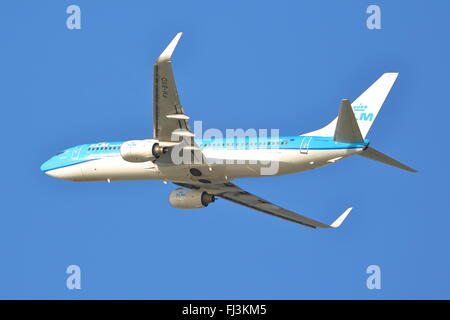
x=239, y=64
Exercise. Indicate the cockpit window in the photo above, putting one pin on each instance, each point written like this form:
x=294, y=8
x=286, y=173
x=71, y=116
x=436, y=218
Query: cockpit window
x=59, y=153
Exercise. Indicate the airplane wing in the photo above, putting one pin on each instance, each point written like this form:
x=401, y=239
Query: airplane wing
x=170, y=123
x=233, y=193
x=168, y=114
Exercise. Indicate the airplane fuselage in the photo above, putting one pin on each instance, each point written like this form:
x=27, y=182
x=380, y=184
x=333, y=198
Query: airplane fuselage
x=228, y=159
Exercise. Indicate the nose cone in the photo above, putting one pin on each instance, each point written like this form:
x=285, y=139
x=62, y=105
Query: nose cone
x=55, y=169
x=46, y=166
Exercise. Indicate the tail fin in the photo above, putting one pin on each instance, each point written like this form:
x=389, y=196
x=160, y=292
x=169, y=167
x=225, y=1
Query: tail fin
x=365, y=108
x=373, y=154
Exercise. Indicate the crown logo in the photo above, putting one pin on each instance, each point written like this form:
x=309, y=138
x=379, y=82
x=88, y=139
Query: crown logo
x=360, y=107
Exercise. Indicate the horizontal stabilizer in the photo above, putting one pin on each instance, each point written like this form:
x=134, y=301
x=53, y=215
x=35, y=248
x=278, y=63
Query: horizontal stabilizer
x=373, y=154
x=347, y=129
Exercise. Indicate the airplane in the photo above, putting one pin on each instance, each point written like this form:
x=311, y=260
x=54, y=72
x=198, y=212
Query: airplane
x=214, y=163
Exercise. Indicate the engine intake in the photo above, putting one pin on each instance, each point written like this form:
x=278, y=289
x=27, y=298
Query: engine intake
x=141, y=150
x=190, y=199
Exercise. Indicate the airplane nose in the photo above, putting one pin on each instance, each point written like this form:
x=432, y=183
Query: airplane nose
x=46, y=166
x=56, y=173
x=71, y=172
x=52, y=173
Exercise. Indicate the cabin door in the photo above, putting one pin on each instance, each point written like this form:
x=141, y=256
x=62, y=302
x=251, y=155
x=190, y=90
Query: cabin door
x=304, y=144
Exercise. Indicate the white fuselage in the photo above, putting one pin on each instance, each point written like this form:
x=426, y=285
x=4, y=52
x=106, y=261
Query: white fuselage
x=224, y=164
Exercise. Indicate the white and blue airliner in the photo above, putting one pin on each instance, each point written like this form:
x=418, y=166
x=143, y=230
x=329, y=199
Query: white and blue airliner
x=212, y=164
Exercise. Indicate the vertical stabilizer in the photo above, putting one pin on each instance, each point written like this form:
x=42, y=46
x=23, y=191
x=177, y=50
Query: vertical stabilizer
x=365, y=107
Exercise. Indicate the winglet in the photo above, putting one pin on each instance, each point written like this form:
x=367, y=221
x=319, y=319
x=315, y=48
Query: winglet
x=167, y=53
x=341, y=218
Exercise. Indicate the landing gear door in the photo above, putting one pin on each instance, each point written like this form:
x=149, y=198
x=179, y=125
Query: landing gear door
x=304, y=144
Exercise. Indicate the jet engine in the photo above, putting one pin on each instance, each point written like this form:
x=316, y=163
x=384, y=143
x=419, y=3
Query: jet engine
x=141, y=150
x=190, y=199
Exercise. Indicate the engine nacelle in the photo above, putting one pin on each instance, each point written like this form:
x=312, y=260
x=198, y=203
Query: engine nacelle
x=141, y=150
x=190, y=199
